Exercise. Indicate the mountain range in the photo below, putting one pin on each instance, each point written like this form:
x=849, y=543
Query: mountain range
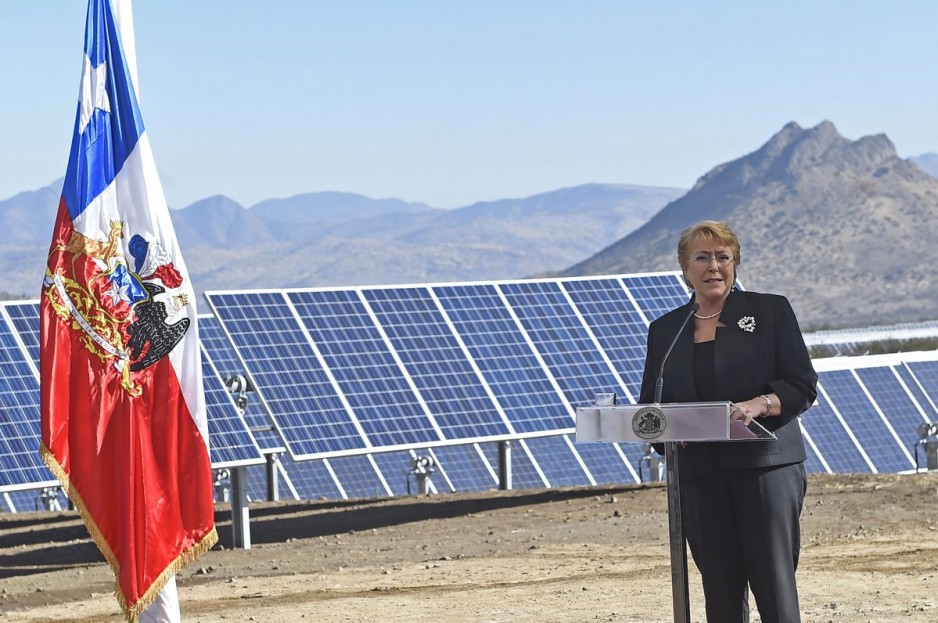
x=845, y=229
x=842, y=228
x=336, y=239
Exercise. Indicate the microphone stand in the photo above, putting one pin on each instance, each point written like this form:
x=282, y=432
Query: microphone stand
x=679, y=592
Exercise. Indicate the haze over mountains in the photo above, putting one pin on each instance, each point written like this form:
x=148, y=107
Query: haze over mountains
x=843, y=228
x=336, y=239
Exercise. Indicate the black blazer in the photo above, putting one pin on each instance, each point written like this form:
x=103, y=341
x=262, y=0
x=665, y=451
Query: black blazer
x=770, y=358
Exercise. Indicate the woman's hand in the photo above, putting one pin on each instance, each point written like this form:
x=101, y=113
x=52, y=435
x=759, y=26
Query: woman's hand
x=747, y=410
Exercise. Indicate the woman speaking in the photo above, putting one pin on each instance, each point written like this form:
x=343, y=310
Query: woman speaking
x=741, y=501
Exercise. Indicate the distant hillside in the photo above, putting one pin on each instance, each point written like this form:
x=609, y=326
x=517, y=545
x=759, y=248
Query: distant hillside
x=394, y=242
x=332, y=207
x=928, y=163
x=345, y=239
x=218, y=222
x=844, y=228
x=28, y=217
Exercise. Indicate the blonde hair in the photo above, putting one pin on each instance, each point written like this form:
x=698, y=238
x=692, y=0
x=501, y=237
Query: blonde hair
x=714, y=232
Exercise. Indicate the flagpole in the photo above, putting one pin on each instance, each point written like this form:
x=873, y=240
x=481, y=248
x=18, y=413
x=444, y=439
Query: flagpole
x=165, y=608
x=124, y=16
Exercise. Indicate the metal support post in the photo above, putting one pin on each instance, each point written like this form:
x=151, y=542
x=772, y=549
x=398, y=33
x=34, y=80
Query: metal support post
x=928, y=440
x=504, y=465
x=273, y=478
x=679, y=592
x=240, y=516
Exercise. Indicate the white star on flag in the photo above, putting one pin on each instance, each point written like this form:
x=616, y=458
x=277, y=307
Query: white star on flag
x=118, y=294
x=93, y=91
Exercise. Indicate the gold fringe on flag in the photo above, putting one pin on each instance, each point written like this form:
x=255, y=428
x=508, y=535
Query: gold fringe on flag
x=131, y=612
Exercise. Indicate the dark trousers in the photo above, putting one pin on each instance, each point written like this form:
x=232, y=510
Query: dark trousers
x=743, y=528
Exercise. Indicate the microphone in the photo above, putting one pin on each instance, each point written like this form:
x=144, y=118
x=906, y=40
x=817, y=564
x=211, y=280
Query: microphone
x=659, y=383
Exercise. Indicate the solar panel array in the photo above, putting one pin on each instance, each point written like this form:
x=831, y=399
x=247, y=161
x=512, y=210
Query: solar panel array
x=479, y=362
x=351, y=385
x=402, y=367
x=869, y=412
x=838, y=342
x=19, y=416
x=22, y=472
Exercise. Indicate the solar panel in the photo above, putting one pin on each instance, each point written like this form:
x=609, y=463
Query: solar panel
x=559, y=462
x=288, y=373
x=618, y=326
x=230, y=442
x=339, y=479
x=365, y=370
x=914, y=386
x=836, y=446
x=571, y=353
x=608, y=463
x=896, y=404
x=869, y=411
x=528, y=397
x=840, y=341
x=20, y=466
x=814, y=462
x=356, y=382
x=20, y=435
x=437, y=364
x=656, y=294
x=359, y=476
x=305, y=480
x=465, y=467
x=926, y=376
x=417, y=365
x=46, y=499
x=226, y=361
x=865, y=422
x=25, y=319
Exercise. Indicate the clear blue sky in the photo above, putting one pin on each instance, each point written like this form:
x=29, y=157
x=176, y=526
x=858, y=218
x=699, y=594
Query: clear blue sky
x=452, y=102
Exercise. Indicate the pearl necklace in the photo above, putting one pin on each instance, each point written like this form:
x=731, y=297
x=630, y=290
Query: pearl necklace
x=718, y=312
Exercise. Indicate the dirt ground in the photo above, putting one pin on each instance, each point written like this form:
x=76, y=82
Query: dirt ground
x=870, y=554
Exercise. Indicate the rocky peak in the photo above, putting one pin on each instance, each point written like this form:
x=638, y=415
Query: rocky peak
x=814, y=212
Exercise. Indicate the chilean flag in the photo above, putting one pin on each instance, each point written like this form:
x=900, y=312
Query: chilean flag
x=123, y=412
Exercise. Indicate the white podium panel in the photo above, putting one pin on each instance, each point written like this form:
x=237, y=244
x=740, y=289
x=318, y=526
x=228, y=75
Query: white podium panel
x=686, y=421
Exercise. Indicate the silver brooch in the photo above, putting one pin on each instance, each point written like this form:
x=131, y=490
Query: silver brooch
x=747, y=323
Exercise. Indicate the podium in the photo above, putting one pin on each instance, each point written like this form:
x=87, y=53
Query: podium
x=669, y=423
x=684, y=422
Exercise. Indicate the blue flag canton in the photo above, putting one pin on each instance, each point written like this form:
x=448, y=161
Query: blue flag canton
x=108, y=122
